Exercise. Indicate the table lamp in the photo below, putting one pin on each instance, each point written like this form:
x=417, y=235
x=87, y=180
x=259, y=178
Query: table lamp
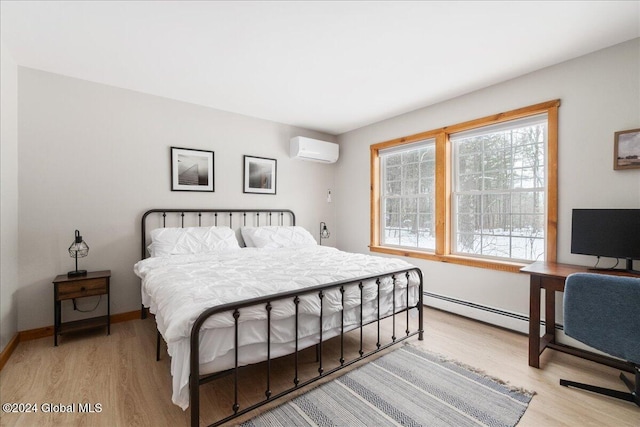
x=324, y=232
x=78, y=249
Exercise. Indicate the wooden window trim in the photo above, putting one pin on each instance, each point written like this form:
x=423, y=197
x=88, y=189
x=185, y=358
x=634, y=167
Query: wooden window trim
x=443, y=189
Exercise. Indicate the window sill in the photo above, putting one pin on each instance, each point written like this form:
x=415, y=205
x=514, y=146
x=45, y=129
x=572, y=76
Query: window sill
x=511, y=267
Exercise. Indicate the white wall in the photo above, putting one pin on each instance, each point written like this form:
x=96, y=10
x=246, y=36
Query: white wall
x=599, y=93
x=95, y=157
x=117, y=141
x=8, y=197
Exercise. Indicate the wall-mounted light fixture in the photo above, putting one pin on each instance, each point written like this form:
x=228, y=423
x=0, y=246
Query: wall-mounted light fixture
x=324, y=232
x=78, y=249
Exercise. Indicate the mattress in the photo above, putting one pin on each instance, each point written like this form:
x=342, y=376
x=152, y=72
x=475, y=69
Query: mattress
x=178, y=288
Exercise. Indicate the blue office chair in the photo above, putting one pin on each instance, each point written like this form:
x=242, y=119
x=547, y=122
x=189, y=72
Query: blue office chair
x=603, y=312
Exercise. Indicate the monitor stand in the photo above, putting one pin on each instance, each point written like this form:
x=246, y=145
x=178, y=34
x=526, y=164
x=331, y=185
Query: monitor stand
x=628, y=268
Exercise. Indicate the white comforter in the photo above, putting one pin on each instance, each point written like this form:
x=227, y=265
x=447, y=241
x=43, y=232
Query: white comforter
x=178, y=288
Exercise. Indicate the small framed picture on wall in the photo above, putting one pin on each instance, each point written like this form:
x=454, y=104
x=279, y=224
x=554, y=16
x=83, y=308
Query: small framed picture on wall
x=191, y=170
x=259, y=175
x=627, y=149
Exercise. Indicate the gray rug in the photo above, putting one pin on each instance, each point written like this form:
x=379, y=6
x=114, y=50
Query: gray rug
x=406, y=387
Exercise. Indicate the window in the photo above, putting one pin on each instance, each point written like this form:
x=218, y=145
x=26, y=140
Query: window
x=498, y=203
x=479, y=193
x=408, y=195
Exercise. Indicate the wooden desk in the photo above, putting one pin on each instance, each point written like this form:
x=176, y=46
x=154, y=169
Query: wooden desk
x=551, y=276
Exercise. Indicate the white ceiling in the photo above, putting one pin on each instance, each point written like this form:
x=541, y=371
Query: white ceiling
x=327, y=66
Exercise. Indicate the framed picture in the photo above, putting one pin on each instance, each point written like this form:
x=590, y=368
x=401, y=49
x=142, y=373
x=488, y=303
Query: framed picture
x=626, y=153
x=191, y=170
x=259, y=175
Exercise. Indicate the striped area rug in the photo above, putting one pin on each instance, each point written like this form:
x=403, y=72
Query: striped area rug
x=406, y=387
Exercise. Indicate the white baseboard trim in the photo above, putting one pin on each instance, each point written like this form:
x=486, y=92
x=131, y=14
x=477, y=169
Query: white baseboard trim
x=505, y=319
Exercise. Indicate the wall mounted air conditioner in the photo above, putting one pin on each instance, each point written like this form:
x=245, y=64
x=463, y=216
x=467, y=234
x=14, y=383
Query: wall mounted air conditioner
x=314, y=150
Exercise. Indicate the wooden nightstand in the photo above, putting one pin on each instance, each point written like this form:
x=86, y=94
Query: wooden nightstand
x=65, y=288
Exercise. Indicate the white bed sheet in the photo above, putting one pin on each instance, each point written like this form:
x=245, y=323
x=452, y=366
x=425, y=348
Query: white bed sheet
x=178, y=288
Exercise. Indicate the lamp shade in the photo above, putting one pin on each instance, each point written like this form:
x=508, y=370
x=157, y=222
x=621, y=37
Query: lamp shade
x=78, y=249
x=324, y=232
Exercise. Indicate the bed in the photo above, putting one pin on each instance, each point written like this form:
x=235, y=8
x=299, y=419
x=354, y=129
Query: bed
x=235, y=287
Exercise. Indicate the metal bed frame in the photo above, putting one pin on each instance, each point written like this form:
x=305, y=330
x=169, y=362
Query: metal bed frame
x=196, y=380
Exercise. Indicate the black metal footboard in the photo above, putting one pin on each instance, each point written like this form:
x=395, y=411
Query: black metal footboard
x=195, y=379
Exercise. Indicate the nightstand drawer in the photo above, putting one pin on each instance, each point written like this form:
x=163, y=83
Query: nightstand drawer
x=83, y=288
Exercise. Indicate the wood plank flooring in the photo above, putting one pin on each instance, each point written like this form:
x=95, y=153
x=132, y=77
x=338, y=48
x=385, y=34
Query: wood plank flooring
x=120, y=373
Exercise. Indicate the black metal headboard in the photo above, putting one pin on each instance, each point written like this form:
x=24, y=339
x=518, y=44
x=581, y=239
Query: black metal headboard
x=212, y=217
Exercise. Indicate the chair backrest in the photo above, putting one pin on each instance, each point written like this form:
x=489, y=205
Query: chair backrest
x=603, y=312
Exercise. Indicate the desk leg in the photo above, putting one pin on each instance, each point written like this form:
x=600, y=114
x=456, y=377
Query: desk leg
x=550, y=315
x=534, y=321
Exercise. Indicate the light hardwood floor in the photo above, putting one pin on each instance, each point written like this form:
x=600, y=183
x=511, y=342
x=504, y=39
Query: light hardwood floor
x=120, y=373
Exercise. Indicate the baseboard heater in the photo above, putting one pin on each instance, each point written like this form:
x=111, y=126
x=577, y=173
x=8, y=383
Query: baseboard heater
x=483, y=308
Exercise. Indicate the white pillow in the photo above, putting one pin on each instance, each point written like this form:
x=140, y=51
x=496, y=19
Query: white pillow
x=246, y=236
x=277, y=237
x=191, y=240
